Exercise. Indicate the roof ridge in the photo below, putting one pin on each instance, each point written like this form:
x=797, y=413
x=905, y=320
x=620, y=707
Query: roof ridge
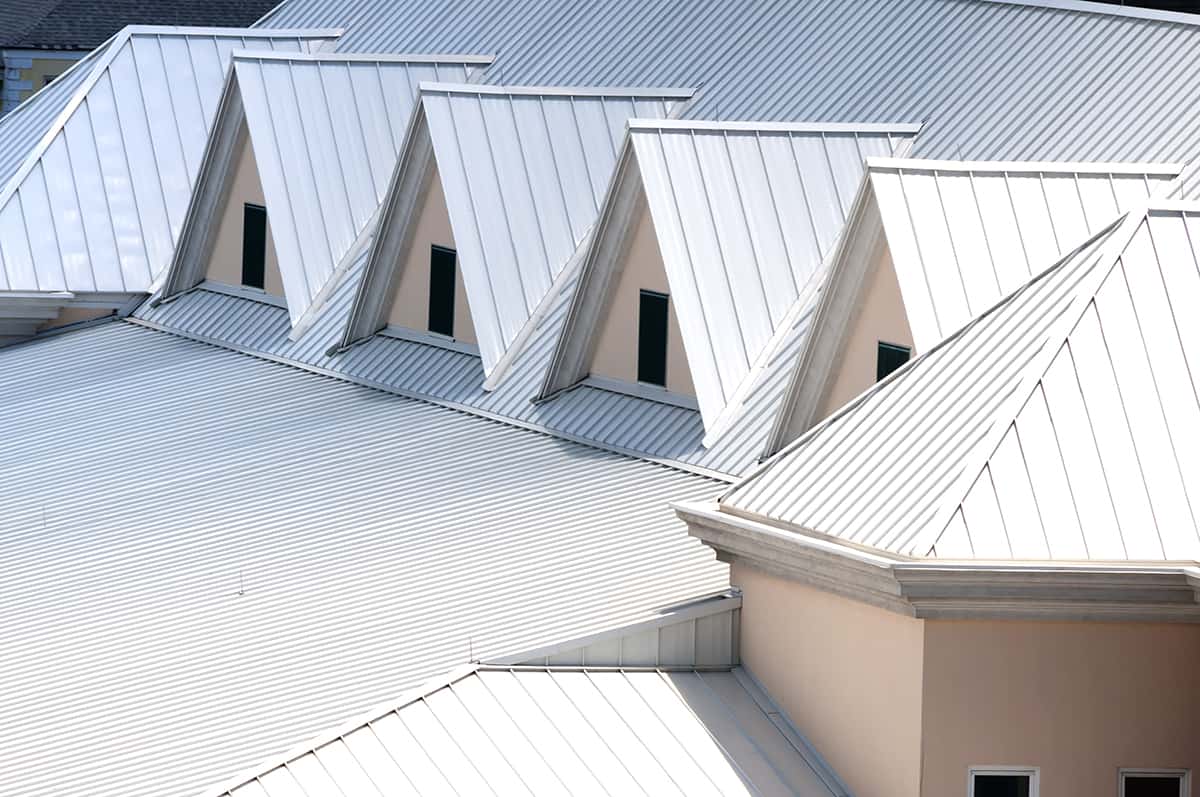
x=1112, y=241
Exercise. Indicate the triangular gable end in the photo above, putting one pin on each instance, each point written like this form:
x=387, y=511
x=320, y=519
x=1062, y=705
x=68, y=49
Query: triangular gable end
x=934, y=244
x=524, y=171
x=325, y=131
x=98, y=206
x=722, y=198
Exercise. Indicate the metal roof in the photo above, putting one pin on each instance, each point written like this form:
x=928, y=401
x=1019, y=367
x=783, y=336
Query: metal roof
x=1056, y=426
x=490, y=730
x=744, y=217
x=281, y=552
x=97, y=204
x=963, y=235
x=422, y=366
x=1045, y=81
x=524, y=170
x=326, y=131
x=960, y=236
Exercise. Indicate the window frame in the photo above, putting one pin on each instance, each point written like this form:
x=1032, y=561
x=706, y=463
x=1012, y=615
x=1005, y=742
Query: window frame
x=266, y=235
x=666, y=341
x=1034, y=774
x=1185, y=777
x=880, y=345
x=434, y=250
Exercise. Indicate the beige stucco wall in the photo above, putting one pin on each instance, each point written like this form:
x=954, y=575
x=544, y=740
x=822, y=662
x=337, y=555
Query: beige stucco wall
x=848, y=674
x=615, y=355
x=410, y=305
x=225, y=264
x=1078, y=700
x=880, y=317
x=75, y=315
x=40, y=69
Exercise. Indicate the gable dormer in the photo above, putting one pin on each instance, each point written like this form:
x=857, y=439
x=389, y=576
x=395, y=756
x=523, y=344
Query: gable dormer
x=731, y=223
x=511, y=178
x=933, y=244
x=296, y=169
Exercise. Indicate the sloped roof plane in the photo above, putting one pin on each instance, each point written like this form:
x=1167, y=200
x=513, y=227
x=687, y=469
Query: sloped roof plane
x=326, y=131
x=961, y=235
x=98, y=204
x=1058, y=426
x=744, y=215
x=524, y=170
x=484, y=729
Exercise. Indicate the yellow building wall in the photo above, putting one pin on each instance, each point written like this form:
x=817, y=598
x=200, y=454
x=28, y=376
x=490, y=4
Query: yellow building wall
x=225, y=262
x=615, y=354
x=410, y=304
x=880, y=318
x=1077, y=700
x=848, y=675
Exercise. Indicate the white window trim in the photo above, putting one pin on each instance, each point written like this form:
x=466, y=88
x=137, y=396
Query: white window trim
x=1034, y=774
x=1185, y=777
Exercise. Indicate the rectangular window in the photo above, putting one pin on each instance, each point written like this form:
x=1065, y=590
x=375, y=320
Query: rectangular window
x=254, y=245
x=1002, y=782
x=1153, y=783
x=891, y=356
x=441, y=291
x=652, y=338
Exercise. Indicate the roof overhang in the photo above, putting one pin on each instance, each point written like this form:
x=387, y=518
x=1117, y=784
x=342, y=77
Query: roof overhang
x=953, y=590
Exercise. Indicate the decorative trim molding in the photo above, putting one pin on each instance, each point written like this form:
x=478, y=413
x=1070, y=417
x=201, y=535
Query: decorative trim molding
x=931, y=589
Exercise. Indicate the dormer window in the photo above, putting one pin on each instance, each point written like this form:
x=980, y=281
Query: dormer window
x=254, y=245
x=652, y=338
x=441, y=290
x=890, y=357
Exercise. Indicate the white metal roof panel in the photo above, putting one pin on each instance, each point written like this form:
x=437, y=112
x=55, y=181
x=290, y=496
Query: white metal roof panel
x=551, y=731
x=1055, y=427
x=305, y=549
x=1044, y=81
x=524, y=172
x=963, y=235
x=97, y=205
x=326, y=131
x=745, y=217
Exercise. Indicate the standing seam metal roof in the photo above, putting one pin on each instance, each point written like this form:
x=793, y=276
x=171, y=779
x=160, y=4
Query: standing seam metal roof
x=284, y=551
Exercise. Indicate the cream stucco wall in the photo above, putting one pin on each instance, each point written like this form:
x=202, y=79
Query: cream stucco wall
x=880, y=317
x=848, y=674
x=225, y=264
x=32, y=78
x=410, y=305
x=615, y=354
x=1078, y=700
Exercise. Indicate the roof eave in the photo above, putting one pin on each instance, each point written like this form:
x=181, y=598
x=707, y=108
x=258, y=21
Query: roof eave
x=942, y=590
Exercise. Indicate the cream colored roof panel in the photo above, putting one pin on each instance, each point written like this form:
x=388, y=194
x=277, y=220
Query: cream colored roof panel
x=536, y=730
x=1056, y=426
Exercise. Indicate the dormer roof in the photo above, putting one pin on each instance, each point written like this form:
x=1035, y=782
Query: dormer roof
x=524, y=171
x=745, y=215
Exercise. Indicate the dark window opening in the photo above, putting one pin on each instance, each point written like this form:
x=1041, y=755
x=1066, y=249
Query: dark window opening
x=1001, y=786
x=1153, y=785
x=441, y=291
x=254, y=245
x=891, y=356
x=652, y=338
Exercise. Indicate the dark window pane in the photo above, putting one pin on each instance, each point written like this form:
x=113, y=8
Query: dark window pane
x=890, y=357
x=1001, y=786
x=1152, y=785
x=652, y=338
x=441, y=291
x=254, y=245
